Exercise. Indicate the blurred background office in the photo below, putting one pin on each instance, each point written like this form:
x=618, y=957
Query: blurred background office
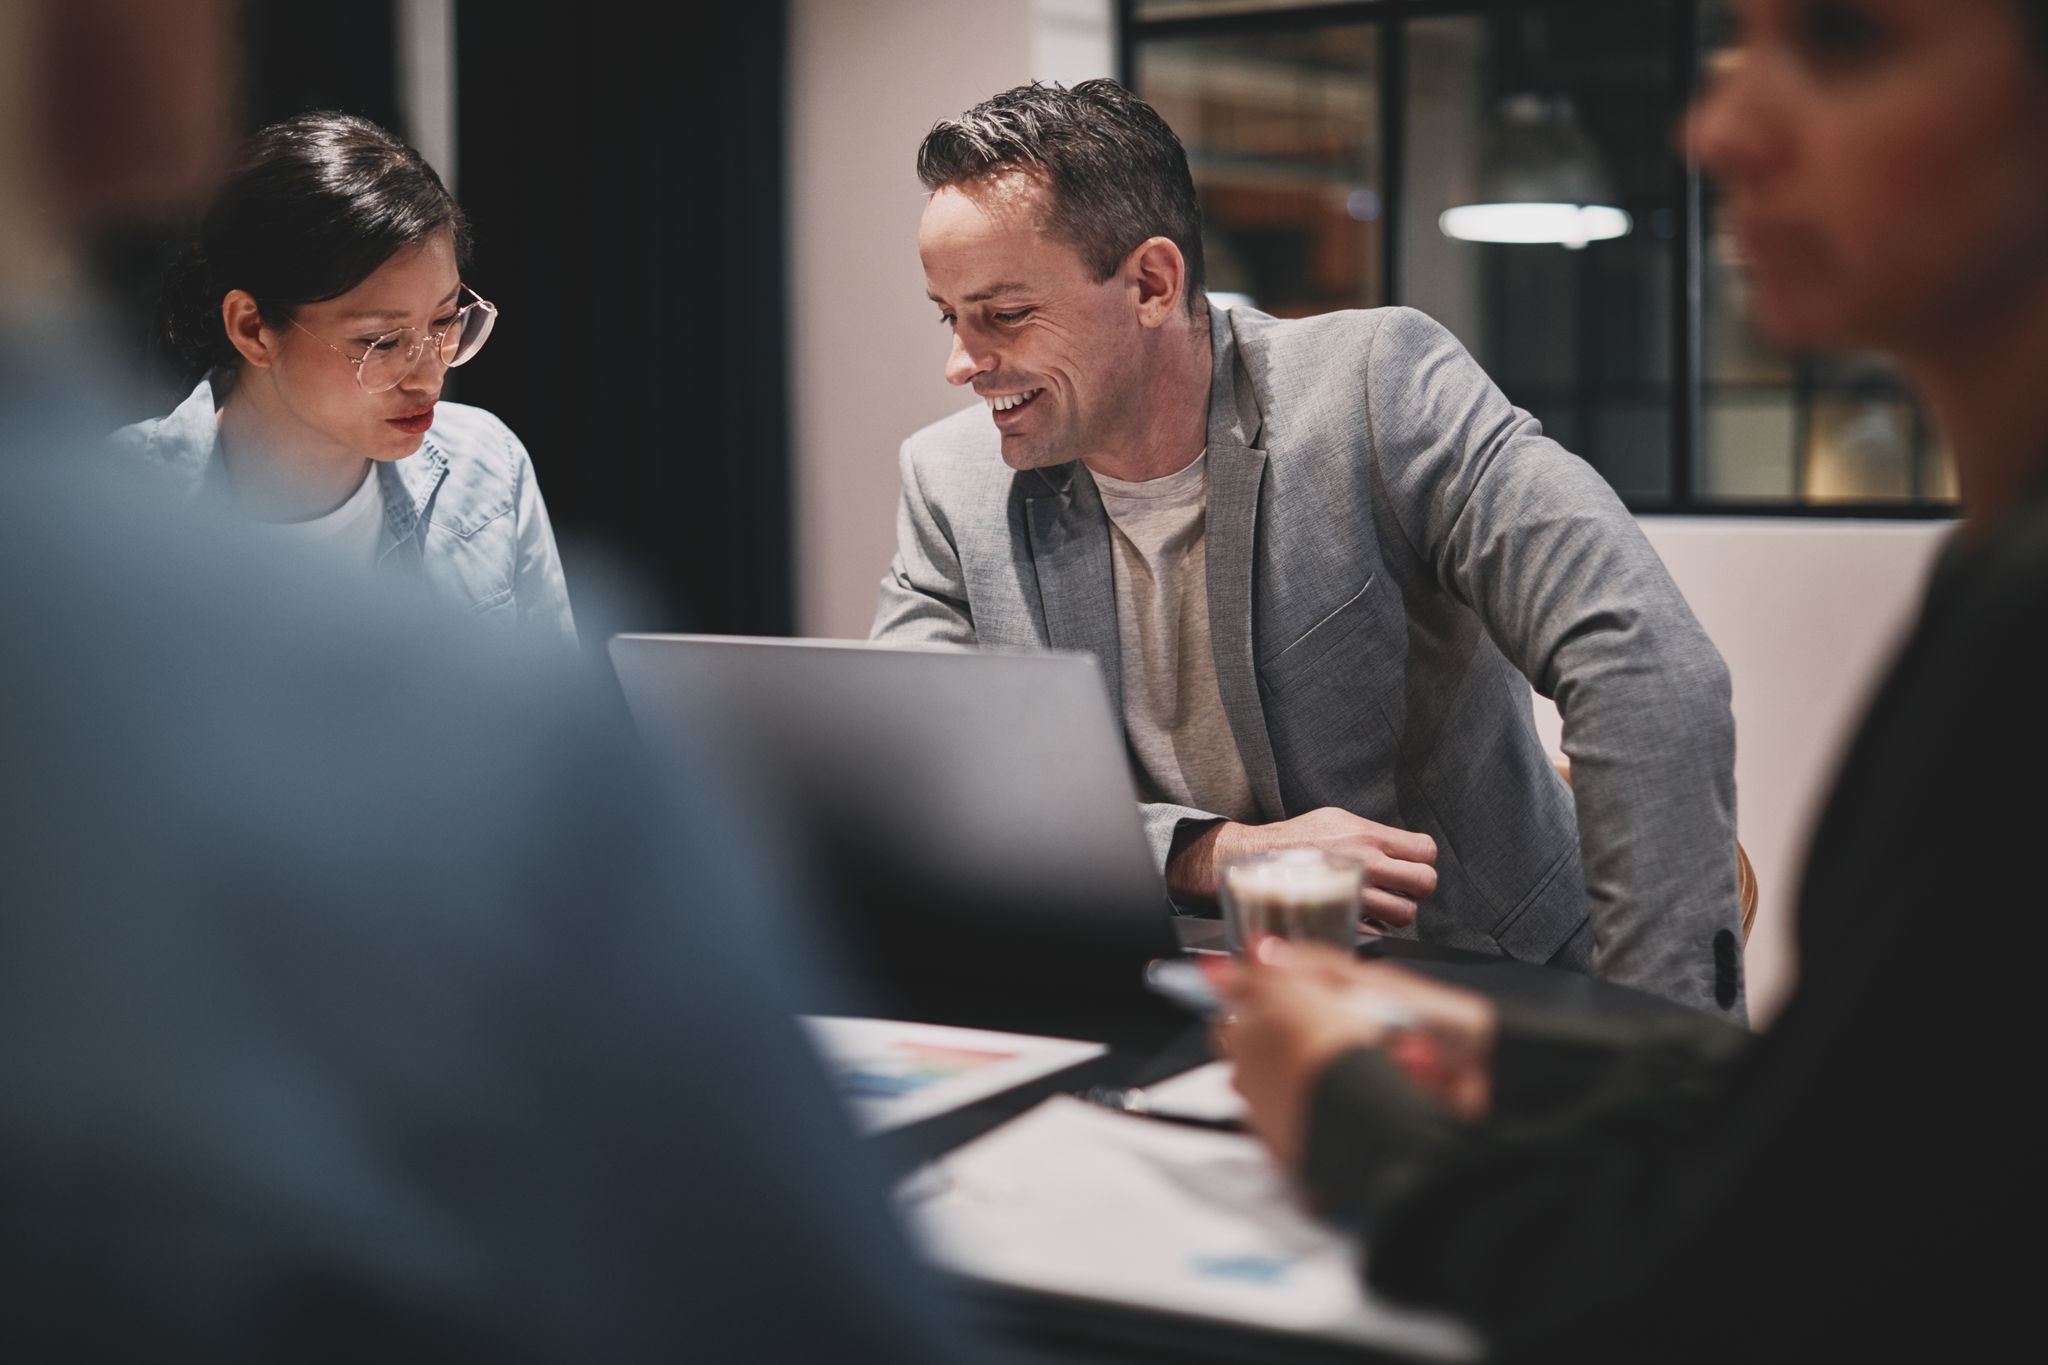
x=700, y=223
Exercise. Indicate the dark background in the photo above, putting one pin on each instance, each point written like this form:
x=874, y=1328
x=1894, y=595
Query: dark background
x=622, y=168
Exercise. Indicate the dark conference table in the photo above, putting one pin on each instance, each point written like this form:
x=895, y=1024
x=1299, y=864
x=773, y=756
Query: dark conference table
x=1150, y=1041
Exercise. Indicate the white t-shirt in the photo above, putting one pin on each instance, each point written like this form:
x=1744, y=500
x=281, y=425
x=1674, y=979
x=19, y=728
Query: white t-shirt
x=1173, y=711
x=352, y=533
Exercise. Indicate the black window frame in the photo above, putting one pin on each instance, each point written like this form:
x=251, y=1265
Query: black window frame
x=1688, y=378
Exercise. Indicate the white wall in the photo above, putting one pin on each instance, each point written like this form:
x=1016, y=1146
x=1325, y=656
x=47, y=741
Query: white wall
x=1072, y=40
x=425, y=54
x=1804, y=611
x=866, y=80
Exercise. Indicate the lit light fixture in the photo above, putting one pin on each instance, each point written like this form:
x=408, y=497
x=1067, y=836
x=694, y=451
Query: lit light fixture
x=1540, y=180
x=1571, y=225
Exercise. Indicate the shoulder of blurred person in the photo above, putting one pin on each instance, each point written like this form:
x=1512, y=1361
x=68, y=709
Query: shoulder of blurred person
x=365, y=991
x=1676, y=1198
x=1885, y=1121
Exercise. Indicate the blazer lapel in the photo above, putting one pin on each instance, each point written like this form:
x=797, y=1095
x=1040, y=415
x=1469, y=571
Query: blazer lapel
x=1076, y=583
x=1237, y=467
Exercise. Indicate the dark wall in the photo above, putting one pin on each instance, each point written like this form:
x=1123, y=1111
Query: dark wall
x=300, y=57
x=623, y=169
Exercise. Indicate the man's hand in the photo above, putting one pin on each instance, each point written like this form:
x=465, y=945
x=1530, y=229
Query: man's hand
x=1400, y=866
x=1296, y=1007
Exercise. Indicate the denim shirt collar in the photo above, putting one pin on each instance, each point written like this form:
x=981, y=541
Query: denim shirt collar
x=409, y=486
x=186, y=446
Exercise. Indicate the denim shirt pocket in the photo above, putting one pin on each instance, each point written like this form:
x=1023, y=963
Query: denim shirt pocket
x=471, y=558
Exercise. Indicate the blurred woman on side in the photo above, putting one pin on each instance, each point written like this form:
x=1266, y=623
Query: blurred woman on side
x=1861, y=1182
x=323, y=306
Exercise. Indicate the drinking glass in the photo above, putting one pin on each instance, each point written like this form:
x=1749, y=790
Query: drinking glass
x=1297, y=893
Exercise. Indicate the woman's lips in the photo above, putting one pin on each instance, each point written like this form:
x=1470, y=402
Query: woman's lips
x=414, y=423
x=1766, y=247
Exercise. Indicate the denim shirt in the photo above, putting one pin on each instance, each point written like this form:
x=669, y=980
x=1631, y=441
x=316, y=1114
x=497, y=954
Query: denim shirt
x=463, y=513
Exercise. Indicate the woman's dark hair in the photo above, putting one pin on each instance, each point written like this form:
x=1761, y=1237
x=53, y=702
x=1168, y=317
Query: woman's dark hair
x=312, y=206
x=2036, y=12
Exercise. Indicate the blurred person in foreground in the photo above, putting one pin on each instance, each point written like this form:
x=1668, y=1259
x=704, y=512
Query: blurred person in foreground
x=363, y=994
x=1861, y=1181
x=322, y=308
x=1322, y=561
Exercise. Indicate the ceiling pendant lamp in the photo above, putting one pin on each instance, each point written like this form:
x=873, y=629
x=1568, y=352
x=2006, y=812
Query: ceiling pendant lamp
x=1540, y=180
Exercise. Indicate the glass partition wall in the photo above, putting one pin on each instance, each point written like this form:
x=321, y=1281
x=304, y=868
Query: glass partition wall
x=1511, y=167
x=1283, y=136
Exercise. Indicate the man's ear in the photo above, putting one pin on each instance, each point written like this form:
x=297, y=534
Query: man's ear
x=246, y=330
x=1158, y=276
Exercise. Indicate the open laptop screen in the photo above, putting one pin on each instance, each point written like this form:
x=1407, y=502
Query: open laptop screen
x=970, y=812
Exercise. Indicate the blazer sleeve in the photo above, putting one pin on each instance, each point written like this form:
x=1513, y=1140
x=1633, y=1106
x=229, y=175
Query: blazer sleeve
x=923, y=597
x=538, y=585
x=1534, y=541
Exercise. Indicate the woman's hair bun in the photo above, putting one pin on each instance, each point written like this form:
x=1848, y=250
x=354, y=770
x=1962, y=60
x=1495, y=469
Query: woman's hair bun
x=188, y=313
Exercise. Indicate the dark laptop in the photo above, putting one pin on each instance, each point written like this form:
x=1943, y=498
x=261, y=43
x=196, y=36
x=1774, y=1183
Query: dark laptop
x=970, y=812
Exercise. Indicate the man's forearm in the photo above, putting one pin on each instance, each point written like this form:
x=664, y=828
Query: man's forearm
x=1400, y=865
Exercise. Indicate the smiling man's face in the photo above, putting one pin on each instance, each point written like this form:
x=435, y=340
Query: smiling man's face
x=1050, y=348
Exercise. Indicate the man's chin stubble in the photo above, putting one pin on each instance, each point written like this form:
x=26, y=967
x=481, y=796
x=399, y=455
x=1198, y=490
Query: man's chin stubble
x=1036, y=455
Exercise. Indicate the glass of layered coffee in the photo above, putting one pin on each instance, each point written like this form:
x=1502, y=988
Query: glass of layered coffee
x=1291, y=893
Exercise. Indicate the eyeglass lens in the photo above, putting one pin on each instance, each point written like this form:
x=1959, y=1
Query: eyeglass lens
x=397, y=354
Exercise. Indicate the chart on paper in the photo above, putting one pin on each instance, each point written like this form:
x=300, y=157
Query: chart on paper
x=1073, y=1200
x=890, y=1074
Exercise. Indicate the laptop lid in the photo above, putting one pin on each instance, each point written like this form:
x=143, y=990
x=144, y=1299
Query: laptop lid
x=970, y=811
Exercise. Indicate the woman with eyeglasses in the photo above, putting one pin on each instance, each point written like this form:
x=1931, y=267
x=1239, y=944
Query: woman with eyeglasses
x=1863, y=1181
x=324, y=304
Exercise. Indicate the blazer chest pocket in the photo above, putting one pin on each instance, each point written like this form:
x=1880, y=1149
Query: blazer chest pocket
x=1341, y=627
x=1331, y=736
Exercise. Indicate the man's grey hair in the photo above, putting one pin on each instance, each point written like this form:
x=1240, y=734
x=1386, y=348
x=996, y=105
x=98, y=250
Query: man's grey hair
x=1114, y=172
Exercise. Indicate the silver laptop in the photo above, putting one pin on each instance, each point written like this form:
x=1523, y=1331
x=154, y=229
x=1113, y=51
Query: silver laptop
x=970, y=812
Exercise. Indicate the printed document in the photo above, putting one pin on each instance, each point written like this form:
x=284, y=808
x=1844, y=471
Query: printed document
x=890, y=1074
x=1204, y=1093
x=1074, y=1199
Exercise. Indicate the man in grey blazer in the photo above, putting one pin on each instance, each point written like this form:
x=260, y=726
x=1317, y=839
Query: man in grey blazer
x=1317, y=560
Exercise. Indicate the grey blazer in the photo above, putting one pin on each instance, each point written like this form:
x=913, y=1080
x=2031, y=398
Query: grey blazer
x=1392, y=549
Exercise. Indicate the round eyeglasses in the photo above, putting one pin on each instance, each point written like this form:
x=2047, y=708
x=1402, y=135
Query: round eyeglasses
x=388, y=359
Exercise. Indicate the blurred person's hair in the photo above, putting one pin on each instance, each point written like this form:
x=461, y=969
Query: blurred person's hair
x=2036, y=13
x=311, y=206
x=1114, y=172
